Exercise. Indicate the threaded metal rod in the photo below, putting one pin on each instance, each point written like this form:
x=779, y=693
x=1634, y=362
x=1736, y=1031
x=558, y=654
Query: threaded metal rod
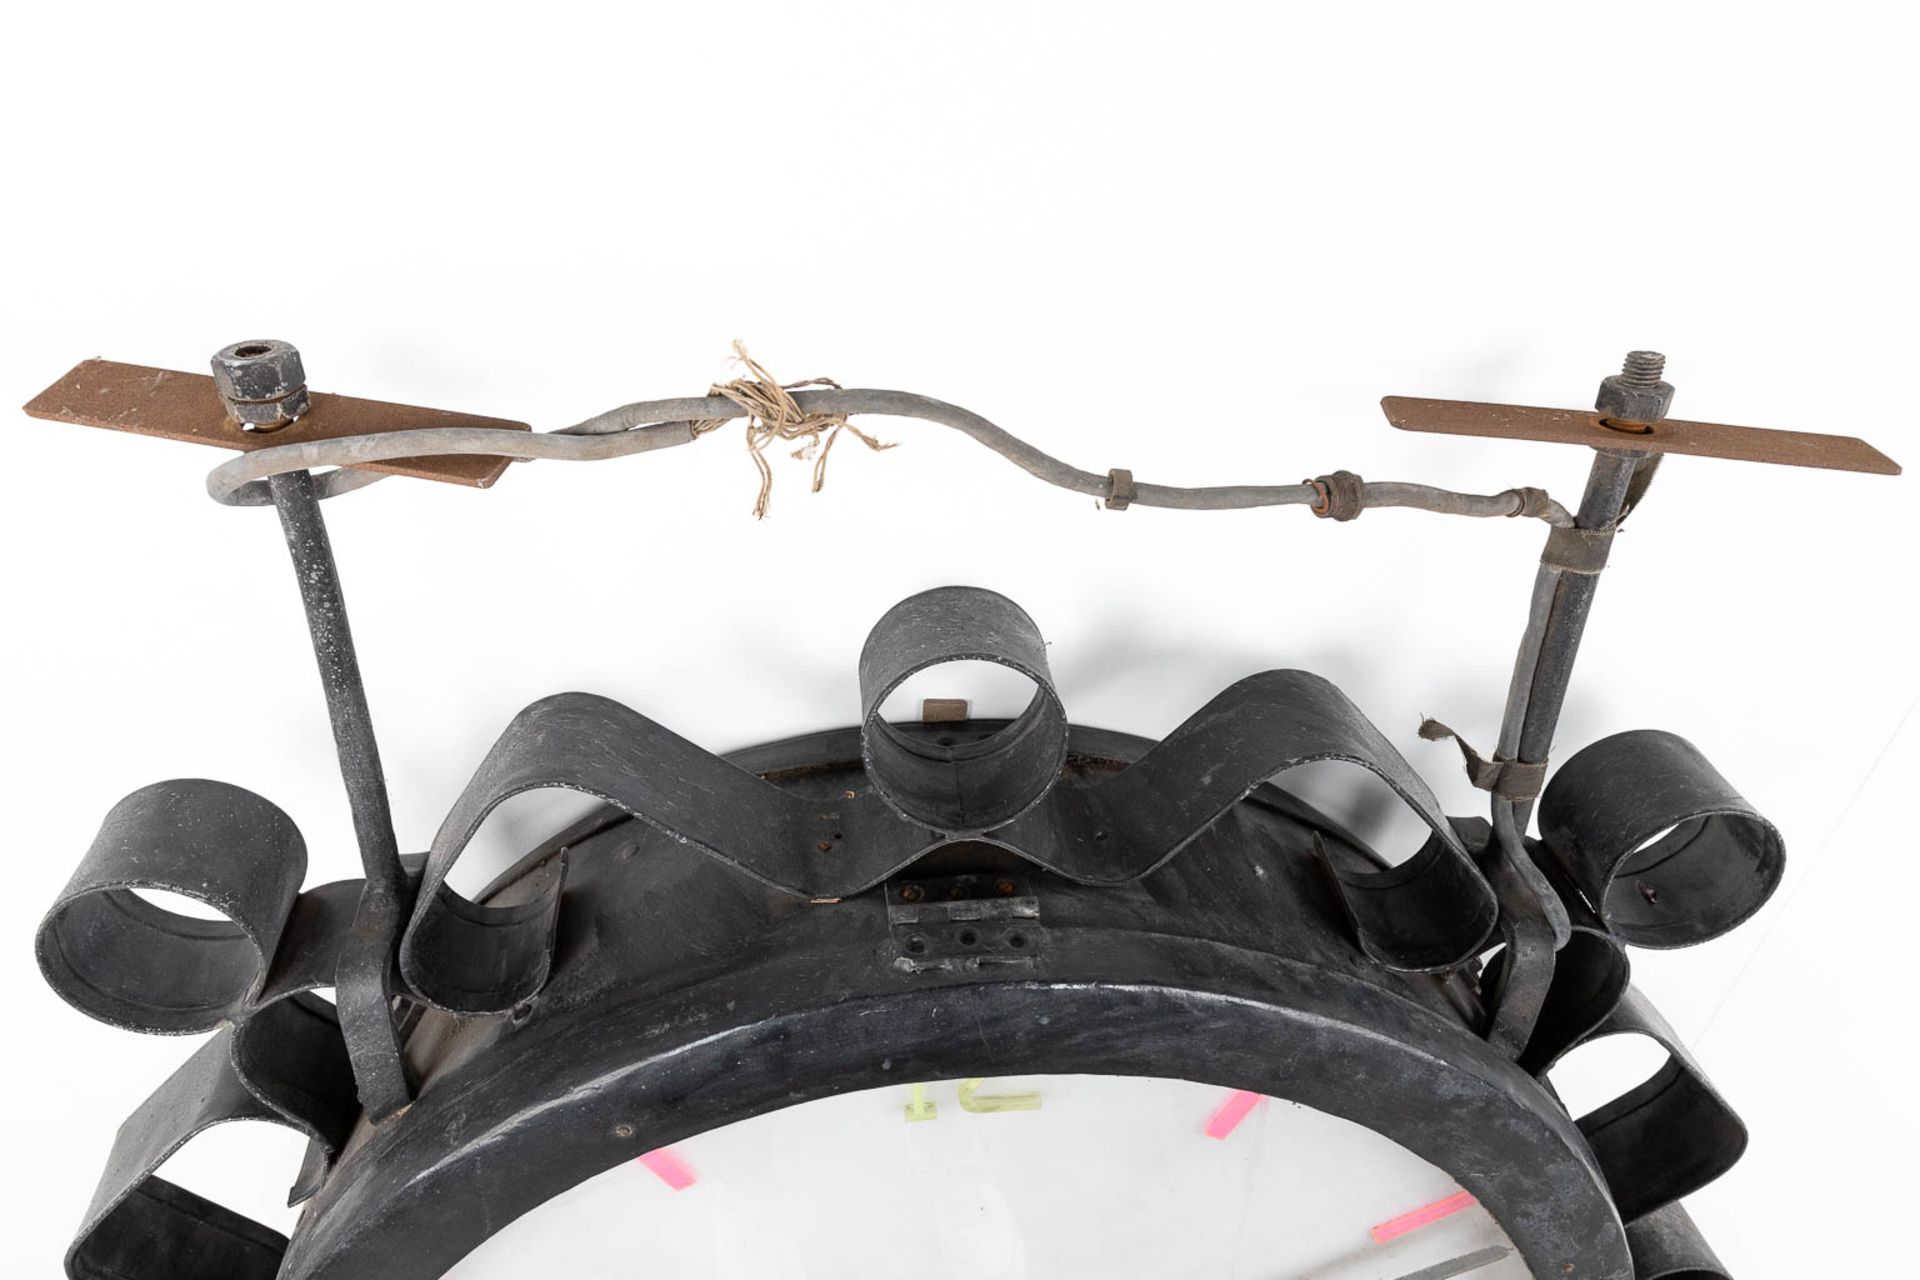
x=1643, y=368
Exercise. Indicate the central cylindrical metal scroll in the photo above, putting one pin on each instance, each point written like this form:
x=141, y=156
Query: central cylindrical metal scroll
x=960, y=785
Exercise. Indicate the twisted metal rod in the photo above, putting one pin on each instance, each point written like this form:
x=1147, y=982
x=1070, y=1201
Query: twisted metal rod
x=665, y=424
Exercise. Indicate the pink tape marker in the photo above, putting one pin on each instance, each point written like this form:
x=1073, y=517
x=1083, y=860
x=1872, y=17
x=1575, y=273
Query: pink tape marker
x=669, y=1168
x=1231, y=1113
x=1426, y=1215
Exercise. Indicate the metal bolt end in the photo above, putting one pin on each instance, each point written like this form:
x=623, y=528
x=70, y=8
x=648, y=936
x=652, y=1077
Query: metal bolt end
x=1636, y=395
x=1643, y=368
x=263, y=383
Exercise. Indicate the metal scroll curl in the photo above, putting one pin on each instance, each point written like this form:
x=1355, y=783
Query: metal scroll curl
x=284, y=1064
x=1664, y=848
x=1008, y=788
x=120, y=958
x=937, y=784
x=1665, y=1137
x=1662, y=1139
x=1645, y=844
x=278, y=1054
x=1668, y=1136
x=1673, y=1133
x=141, y=1224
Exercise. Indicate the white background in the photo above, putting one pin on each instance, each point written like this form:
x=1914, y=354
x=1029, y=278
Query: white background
x=1197, y=240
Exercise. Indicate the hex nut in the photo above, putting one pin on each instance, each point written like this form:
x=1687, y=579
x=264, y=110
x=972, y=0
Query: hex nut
x=1622, y=401
x=263, y=383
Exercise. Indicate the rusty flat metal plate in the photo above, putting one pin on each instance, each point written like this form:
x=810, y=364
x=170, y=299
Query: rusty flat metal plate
x=185, y=406
x=1672, y=435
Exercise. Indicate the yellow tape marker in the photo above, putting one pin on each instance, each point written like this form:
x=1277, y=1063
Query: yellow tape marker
x=920, y=1106
x=971, y=1100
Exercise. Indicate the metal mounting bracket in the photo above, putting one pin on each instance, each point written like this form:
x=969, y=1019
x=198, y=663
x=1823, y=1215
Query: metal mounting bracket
x=187, y=406
x=1669, y=435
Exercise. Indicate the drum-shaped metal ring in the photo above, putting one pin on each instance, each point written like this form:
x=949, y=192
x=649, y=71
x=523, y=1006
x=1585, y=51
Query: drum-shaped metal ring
x=115, y=955
x=1657, y=840
x=956, y=784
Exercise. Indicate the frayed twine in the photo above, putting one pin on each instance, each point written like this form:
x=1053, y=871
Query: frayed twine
x=773, y=414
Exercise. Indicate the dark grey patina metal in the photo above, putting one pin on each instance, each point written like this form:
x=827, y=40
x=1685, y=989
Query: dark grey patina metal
x=966, y=922
x=1108, y=828
x=1536, y=925
x=263, y=382
x=1232, y=964
x=1668, y=1136
x=853, y=896
x=139, y=966
x=142, y=1225
x=945, y=787
x=1662, y=844
x=365, y=983
x=1636, y=395
x=1667, y=1246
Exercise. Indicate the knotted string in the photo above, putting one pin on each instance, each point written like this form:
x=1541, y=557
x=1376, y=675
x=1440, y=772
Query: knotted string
x=773, y=414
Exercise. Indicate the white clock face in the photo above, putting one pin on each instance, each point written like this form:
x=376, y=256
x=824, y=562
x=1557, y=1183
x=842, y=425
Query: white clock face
x=1017, y=1178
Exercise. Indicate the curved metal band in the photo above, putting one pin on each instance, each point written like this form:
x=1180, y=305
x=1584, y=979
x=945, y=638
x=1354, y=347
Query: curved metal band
x=1668, y=1136
x=468, y=958
x=368, y=990
x=1518, y=982
x=290, y=1050
x=1589, y=976
x=282, y=1060
x=119, y=958
x=1429, y=913
x=1308, y=1069
x=636, y=1070
x=1716, y=864
x=142, y=1225
x=1667, y=1246
x=123, y=960
x=952, y=786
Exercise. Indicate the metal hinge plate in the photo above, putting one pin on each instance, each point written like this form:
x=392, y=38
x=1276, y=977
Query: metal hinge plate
x=965, y=923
